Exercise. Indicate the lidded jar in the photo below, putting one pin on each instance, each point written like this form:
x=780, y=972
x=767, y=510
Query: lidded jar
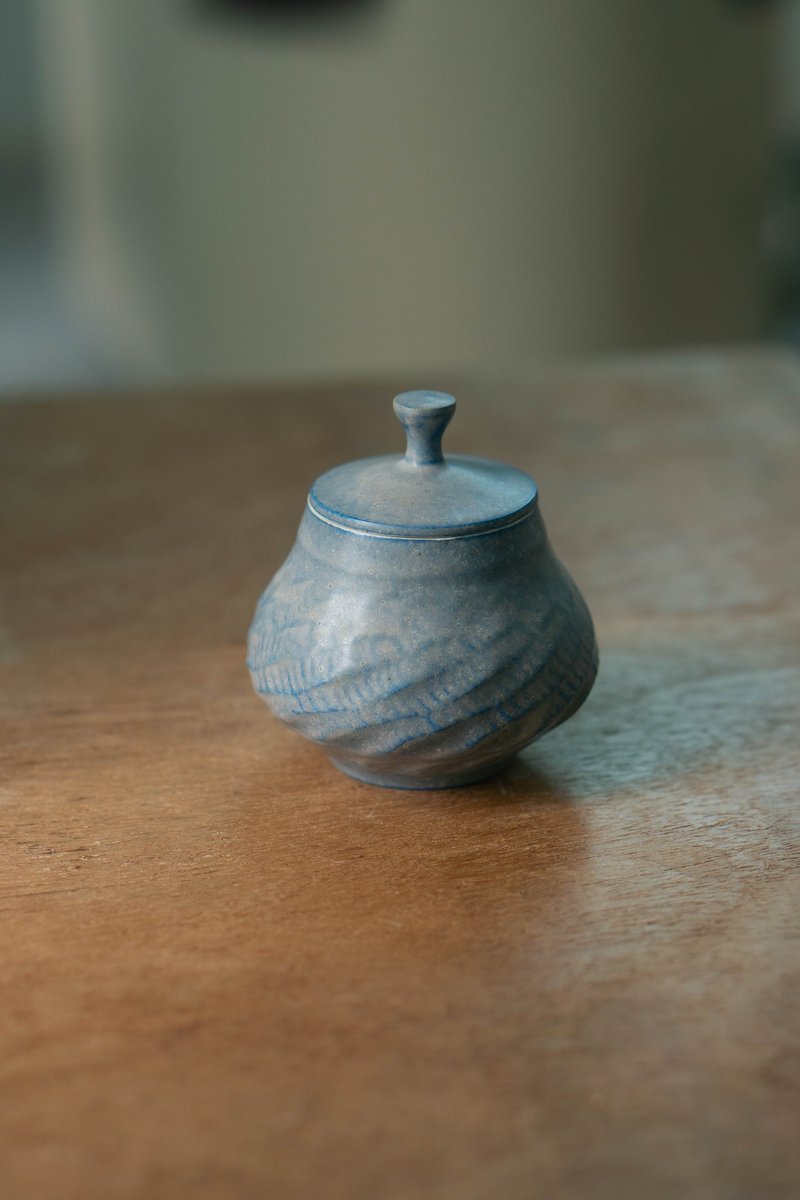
x=422, y=630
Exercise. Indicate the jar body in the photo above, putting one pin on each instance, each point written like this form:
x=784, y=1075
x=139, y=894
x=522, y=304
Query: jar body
x=422, y=663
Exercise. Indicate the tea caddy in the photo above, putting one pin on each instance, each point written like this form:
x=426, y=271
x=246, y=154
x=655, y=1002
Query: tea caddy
x=422, y=630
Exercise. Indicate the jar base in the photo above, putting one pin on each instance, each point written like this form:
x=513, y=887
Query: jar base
x=424, y=783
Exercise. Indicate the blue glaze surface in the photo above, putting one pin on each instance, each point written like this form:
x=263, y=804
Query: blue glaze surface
x=428, y=655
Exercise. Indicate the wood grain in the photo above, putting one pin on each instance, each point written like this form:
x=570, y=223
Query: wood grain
x=228, y=971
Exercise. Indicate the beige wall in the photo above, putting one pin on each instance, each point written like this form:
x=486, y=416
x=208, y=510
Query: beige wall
x=457, y=183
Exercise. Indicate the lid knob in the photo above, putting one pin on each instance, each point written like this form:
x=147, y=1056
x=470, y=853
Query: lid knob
x=424, y=416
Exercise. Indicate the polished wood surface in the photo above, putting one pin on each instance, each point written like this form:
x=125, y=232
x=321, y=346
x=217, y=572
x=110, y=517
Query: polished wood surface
x=229, y=971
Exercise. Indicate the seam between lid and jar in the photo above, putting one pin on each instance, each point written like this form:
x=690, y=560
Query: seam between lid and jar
x=495, y=526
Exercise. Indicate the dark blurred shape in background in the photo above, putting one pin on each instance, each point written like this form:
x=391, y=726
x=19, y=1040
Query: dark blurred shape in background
x=290, y=10
x=226, y=189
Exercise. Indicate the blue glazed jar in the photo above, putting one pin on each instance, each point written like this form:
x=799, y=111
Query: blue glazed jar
x=422, y=630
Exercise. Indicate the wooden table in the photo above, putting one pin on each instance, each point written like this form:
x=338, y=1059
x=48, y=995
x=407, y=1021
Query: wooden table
x=229, y=971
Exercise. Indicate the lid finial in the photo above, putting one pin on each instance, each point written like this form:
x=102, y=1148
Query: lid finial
x=424, y=416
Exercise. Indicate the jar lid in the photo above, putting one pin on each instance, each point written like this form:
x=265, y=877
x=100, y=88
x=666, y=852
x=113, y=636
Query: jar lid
x=423, y=495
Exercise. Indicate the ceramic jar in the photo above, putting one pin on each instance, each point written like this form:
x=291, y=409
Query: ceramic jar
x=422, y=630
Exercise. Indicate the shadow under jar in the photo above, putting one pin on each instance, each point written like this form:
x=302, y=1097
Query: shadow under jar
x=422, y=629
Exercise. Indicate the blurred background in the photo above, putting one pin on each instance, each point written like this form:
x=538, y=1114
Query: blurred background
x=222, y=190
